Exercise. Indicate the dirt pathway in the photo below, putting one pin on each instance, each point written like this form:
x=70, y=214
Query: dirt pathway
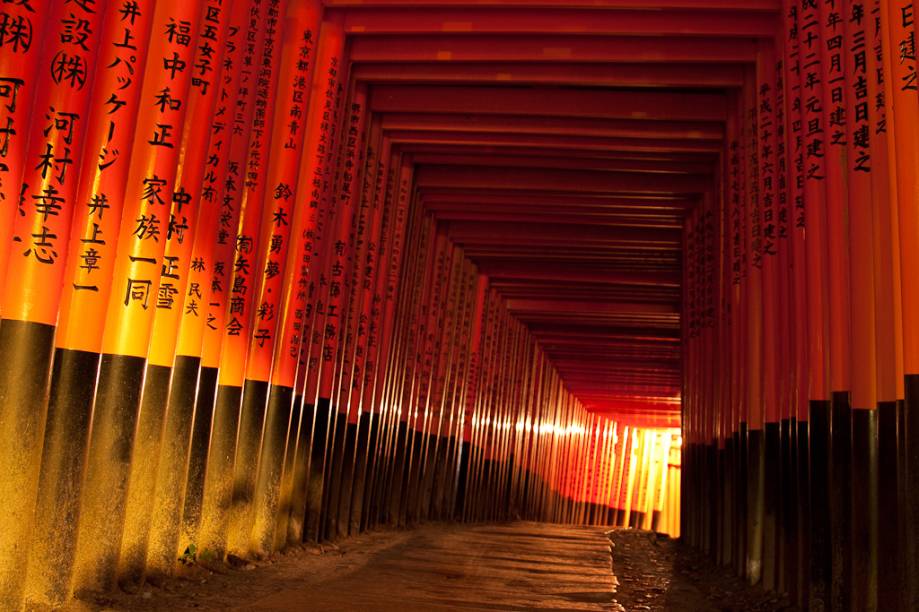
x=518, y=566
x=521, y=566
x=656, y=573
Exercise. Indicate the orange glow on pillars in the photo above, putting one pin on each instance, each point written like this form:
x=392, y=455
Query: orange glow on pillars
x=903, y=155
x=38, y=251
x=149, y=202
x=815, y=138
x=475, y=355
x=904, y=104
x=372, y=277
x=430, y=330
x=223, y=343
x=784, y=202
x=412, y=320
x=886, y=236
x=768, y=178
x=148, y=208
x=736, y=212
x=219, y=208
x=754, y=288
x=292, y=352
x=19, y=61
x=362, y=239
x=393, y=219
x=327, y=98
x=36, y=241
x=419, y=236
x=438, y=340
x=338, y=265
x=249, y=181
x=834, y=118
x=403, y=174
x=100, y=197
x=463, y=341
x=722, y=272
x=236, y=214
x=861, y=205
x=282, y=243
x=199, y=129
x=797, y=212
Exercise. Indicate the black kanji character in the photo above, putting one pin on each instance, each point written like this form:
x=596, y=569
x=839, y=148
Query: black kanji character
x=178, y=33
x=174, y=64
x=129, y=10
x=76, y=31
x=148, y=228
x=68, y=69
x=42, y=246
x=90, y=259
x=9, y=87
x=177, y=228
x=279, y=217
x=152, y=188
x=15, y=32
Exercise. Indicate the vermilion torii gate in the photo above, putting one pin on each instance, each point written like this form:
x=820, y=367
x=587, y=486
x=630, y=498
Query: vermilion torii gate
x=275, y=271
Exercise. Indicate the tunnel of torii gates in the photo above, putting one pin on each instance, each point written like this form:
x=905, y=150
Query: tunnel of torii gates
x=276, y=271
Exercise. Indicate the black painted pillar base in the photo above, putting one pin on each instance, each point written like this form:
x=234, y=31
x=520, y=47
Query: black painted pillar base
x=296, y=521
x=740, y=500
x=73, y=387
x=709, y=488
x=171, y=480
x=462, y=475
x=820, y=544
x=270, y=467
x=840, y=500
x=316, y=475
x=333, y=467
x=426, y=469
x=725, y=515
x=441, y=476
x=197, y=455
x=251, y=420
x=903, y=523
x=366, y=428
x=789, y=520
x=375, y=464
x=132, y=561
x=343, y=509
x=394, y=494
x=755, y=504
x=864, y=510
x=803, y=514
x=413, y=485
x=890, y=545
x=771, y=503
x=218, y=481
x=910, y=508
x=114, y=422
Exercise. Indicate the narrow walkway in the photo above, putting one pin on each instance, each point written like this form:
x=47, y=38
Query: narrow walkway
x=521, y=566
x=518, y=566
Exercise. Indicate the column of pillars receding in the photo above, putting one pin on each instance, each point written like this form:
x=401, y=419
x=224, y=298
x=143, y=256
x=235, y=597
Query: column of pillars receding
x=231, y=325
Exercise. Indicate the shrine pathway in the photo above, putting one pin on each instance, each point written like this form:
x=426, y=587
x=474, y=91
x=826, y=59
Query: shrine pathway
x=436, y=567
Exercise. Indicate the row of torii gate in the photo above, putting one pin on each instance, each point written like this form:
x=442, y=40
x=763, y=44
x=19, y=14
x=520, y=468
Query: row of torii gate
x=230, y=319
x=229, y=324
